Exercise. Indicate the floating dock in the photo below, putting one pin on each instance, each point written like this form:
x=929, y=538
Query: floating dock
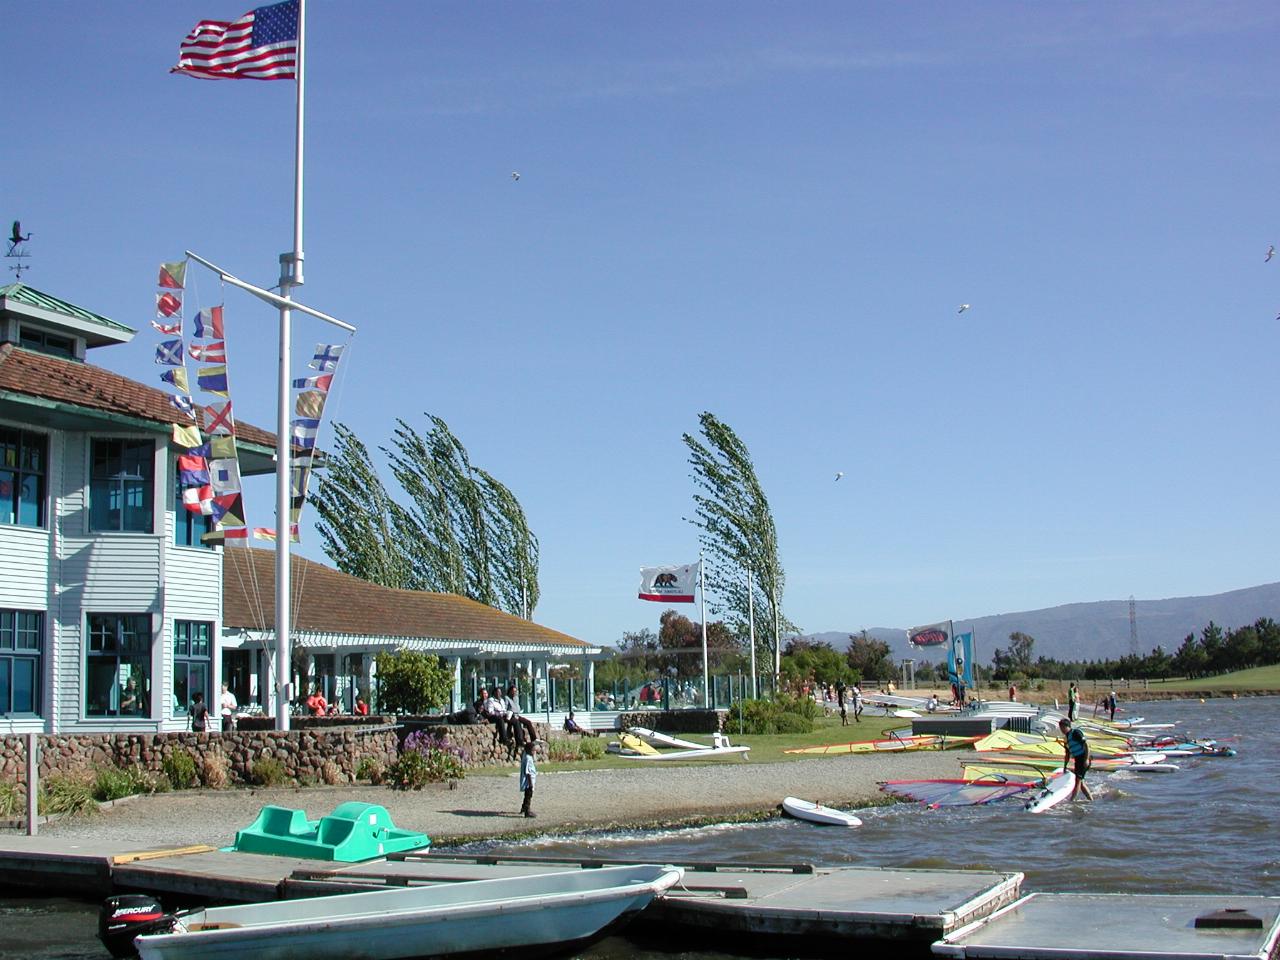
x=1113, y=926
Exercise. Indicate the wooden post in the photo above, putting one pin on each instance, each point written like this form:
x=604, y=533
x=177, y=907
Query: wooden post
x=33, y=783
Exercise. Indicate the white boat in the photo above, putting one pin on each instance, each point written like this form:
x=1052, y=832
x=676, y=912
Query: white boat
x=656, y=739
x=817, y=813
x=439, y=920
x=635, y=747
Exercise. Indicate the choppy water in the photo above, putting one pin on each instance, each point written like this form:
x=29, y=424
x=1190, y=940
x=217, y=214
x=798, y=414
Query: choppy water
x=1211, y=827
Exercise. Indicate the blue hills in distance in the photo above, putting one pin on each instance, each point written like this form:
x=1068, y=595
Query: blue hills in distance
x=1091, y=631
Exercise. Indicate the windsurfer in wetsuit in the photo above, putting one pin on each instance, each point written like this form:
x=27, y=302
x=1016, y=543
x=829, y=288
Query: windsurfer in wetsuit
x=1076, y=752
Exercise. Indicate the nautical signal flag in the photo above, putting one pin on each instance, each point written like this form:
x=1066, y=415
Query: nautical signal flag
x=184, y=405
x=221, y=447
x=193, y=471
x=168, y=329
x=224, y=476
x=215, y=352
x=173, y=275
x=209, y=324
x=170, y=352
x=303, y=432
x=198, y=500
x=309, y=404
x=317, y=383
x=218, y=418
x=178, y=377
x=184, y=436
x=327, y=355
x=167, y=304
x=213, y=379
x=261, y=45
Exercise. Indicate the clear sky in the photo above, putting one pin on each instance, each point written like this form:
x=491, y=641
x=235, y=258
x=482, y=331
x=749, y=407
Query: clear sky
x=769, y=211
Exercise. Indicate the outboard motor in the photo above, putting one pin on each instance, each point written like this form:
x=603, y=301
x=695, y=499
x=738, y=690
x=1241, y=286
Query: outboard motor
x=122, y=918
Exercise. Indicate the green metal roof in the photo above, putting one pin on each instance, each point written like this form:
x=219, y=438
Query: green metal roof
x=21, y=293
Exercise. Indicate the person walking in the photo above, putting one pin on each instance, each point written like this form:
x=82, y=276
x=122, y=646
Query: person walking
x=1075, y=752
x=1073, y=702
x=528, y=777
x=199, y=713
x=844, y=708
x=857, y=703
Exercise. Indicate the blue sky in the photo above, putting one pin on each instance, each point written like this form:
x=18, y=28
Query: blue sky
x=769, y=211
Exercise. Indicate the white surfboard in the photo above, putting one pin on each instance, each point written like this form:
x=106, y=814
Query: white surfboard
x=817, y=813
x=1056, y=789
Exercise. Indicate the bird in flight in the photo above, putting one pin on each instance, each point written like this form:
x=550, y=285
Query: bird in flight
x=515, y=174
x=17, y=236
x=963, y=308
x=839, y=474
x=1271, y=252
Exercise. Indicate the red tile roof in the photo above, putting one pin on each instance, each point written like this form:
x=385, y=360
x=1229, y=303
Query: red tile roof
x=83, y=385
x=329, y=601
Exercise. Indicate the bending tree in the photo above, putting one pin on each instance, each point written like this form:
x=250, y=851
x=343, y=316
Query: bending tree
x=463, y=531
x=738, y=535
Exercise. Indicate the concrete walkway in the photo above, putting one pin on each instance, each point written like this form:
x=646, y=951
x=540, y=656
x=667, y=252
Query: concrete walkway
x=488, y=806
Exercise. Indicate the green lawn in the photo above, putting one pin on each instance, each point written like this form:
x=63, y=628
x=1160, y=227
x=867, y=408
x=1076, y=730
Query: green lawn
x=764, y=749
x=1259, y=678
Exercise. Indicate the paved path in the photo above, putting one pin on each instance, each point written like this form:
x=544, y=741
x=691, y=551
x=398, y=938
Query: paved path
x=487, y=806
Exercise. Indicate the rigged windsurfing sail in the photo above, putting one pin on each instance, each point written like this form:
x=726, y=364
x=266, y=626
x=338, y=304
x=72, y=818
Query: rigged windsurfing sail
x=963, y=793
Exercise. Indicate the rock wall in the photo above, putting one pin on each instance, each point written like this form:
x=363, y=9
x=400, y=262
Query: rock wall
x=676, y=721
x=306, y=755
x=478, y=741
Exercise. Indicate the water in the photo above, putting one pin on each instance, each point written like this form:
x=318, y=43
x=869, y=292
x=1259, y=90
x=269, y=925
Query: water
x=1210, y=828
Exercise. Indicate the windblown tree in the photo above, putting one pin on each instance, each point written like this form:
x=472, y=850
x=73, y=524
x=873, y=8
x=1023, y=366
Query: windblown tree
x=462, y=531
x=738, y=535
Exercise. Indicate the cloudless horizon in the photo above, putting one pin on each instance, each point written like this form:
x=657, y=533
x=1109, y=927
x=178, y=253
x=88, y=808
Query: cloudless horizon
x=771, y=212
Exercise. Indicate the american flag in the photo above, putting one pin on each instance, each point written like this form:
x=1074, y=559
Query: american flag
x=261, y=45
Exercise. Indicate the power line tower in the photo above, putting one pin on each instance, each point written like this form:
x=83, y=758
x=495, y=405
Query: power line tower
x=1133, y=626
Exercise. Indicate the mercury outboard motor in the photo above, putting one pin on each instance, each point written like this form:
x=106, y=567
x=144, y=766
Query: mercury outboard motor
x=122, y=918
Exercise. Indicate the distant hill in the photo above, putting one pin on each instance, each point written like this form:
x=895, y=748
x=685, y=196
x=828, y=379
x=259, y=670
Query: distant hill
x=1093, y=631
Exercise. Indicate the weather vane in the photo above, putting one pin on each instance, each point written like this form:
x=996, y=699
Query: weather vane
x=16, y=249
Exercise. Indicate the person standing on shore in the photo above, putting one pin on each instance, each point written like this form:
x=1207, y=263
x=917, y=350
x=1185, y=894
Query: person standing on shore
x=857, y=703
x=1111, y=705
x=528, y=777
x=1073, y=702
x=1076, y=752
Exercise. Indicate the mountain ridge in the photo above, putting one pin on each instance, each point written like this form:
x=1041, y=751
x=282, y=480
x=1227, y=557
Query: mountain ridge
x=1091, y=630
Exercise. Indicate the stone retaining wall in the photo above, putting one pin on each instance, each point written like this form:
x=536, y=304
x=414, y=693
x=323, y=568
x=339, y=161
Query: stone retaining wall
x=304, y=754
x=676, y=721
x=479, y=741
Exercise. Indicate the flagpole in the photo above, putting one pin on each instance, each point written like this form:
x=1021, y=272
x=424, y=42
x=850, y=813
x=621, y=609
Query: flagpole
x=290, y=277
x=706, y=673
x=751, y=627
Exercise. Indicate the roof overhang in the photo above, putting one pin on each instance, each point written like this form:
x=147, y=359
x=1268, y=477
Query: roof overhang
x=95, y=333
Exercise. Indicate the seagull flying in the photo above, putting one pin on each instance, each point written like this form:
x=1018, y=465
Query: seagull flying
x=839, y=474
x=515, y=174
x=1271, y=252
x=963, y=308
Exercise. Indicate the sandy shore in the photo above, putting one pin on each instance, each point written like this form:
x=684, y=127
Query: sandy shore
x=488, y=806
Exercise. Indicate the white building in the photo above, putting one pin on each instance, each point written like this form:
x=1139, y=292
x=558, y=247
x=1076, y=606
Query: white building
x=113, y=613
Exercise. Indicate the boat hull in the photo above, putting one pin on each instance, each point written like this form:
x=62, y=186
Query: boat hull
x=444, y=920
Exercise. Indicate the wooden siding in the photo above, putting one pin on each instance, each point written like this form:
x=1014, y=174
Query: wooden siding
x=24, y=568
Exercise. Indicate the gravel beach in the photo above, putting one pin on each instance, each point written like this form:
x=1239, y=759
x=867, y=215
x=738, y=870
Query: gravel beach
x=488, y=806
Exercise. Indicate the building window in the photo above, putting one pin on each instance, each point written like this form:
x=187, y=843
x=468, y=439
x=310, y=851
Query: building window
x=23, y=465
x=188, y=527
x=192, y=663
x=43, y=342
x=120, y=485
x=118, y=671
x=21, y=645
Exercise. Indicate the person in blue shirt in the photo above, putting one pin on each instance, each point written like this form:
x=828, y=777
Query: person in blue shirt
x=1077, y=753
x=528, y=777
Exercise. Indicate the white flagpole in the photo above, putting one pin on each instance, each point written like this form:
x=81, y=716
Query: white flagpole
x=706, y=672
x=290, y=277
x=751, y=626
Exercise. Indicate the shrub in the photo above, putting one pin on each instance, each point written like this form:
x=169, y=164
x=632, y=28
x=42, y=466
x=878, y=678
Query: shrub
x=410, y=681
x=69, y=794
x=331, y=773
x=214, y=772
x=13, y=799
x=562, y=750
x=180, y=769
x=112, y=783
x=369, y=768
x=784, y=715
x=268, y=772
x=591, y=748
x=426, y=758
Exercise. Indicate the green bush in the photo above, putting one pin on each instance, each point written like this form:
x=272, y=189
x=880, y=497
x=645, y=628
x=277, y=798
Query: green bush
x=112, y=783
x=13, y=799
x=414, y=769
x=591, y=748
x=180, y=769
x=765, y=717
x=68, y=794
x=268, y=772
x=562, y=750
x=410, y=681
x=369, y=768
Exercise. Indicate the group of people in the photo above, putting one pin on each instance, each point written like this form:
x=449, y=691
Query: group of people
x=846, y=697
x=503, y=711
x=318, y=706
x=228, y=707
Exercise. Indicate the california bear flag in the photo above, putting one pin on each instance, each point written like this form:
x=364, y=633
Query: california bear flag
x=669, y=584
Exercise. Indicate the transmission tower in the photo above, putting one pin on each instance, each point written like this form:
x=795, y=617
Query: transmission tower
x=1133, y=627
